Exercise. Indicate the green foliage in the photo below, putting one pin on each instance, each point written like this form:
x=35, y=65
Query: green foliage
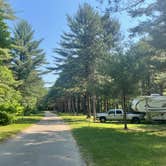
x=116, y=6
x=5, y=118
x=4, y=42
x=9, y=97
x=90, y=38
x=111, y=31
x=4, y=35
x=21, y=86
x=6, y=12
x=152, y=64
x=80, y=48
x=12, y=107
x=123, y=71
x=27, y=54
x=151, y=49
x=154, y=25
x=28, y=58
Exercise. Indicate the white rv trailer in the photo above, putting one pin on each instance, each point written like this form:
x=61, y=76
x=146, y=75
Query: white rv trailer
x=154, y=105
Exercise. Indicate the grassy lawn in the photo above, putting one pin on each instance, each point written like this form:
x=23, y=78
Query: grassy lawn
x=20, y=124
x=109, y=145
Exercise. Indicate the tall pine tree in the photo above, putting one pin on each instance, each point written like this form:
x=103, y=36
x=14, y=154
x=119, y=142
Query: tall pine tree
x=28, y=57
x=9, y=96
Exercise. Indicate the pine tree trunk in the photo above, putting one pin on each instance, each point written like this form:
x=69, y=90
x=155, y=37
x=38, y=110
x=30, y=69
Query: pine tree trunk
x=89, y=107
x=98, y=104
x=105, y=105
x=69, y=105
x=76, y=104
x=73, y=105
x=80, y=104
x=65, y=106
x=94, y=107
x=149, y=118
x=101, y=105
x=85, y=104
x=125, y=114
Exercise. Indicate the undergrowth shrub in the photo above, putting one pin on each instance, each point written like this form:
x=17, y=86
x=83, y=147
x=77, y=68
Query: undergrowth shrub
x=5, y=118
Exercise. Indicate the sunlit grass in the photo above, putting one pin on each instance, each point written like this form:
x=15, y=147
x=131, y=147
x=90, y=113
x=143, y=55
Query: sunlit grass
x=20, y=124
x=109, y=145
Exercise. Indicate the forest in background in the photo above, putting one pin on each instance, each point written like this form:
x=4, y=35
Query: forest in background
x=96, y=69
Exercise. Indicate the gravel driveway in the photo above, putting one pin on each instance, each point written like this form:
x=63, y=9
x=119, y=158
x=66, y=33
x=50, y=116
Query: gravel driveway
x=48, y=143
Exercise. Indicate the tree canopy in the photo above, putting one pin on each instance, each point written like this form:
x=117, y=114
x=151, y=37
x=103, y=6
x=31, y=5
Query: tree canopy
x=96, y=71
x=21, y=85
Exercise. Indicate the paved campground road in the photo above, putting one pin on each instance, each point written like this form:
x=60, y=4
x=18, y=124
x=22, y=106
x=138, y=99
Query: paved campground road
x=48, y=143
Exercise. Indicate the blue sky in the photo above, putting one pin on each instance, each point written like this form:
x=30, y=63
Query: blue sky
x=48, y=19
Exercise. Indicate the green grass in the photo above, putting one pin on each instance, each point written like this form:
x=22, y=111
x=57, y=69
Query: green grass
x=109, y=145
x=20, y=124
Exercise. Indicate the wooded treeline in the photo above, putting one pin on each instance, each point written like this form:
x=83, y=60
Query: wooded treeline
x=97, y=70
x=21, y=86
